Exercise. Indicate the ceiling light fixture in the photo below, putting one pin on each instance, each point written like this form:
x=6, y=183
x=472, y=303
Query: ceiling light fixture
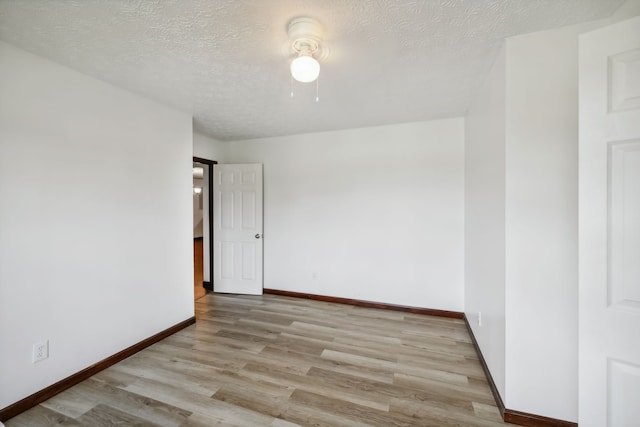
x=305, y=35
x=305, y=68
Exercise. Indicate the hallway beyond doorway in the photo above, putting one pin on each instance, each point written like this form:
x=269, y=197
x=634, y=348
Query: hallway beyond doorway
x=198, y=290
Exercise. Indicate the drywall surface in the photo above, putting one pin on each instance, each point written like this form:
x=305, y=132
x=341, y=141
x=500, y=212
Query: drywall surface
x=542, y=222
x=373, y=213
x=208, y=148
x=95, y=223
x=521, y=222
x=484, y=219
x=627, y=10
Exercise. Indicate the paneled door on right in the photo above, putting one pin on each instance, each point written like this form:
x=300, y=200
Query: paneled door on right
x=609, y=226
x=237, y=231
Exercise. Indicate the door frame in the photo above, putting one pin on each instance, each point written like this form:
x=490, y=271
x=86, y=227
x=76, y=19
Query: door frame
x=209, y=285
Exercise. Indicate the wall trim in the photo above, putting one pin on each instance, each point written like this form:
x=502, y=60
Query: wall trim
x=532, y=420
x=485, y=368
x=48, y=392
x=367, y=304
x=509, y=415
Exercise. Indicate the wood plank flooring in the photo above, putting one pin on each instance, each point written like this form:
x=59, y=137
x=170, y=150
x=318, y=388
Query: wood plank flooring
x=278, y=361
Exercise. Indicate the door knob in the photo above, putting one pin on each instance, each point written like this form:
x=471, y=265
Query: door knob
x=258, y=236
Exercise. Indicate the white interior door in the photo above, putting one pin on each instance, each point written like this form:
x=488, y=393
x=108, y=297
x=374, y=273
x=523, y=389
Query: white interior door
x=609, y=230
x=237, y=234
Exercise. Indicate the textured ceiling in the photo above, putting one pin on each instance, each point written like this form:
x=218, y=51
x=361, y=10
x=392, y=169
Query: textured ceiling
x=390, y=61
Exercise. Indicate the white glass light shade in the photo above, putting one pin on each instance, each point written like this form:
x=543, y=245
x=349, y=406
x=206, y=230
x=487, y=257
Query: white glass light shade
x=197, y=190
x=305, y=69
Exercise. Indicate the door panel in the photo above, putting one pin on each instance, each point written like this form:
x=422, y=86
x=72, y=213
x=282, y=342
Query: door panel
x=609, y=226
x=238, y=228
x=624, y=225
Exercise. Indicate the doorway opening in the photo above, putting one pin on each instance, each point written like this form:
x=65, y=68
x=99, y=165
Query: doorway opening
x=202, y=226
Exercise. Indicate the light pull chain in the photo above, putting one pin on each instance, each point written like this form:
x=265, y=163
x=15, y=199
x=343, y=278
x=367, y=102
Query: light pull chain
x=317, y=88
x=292, y=86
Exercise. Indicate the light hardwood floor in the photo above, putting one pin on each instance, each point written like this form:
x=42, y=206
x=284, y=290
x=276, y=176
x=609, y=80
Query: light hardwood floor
x=279, y=361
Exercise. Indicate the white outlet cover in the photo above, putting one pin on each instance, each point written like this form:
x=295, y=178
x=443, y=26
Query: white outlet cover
x=36, y=357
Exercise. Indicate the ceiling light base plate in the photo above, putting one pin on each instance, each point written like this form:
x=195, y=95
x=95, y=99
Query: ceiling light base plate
x=305, y=35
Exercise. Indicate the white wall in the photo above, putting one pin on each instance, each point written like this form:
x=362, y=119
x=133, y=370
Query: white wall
x=484, y=219
x=542, y=218
x=373, y=214
x=209, y=148
x=541, y=222
x=95, y=220
x=521, y=222
x=628, y=9
x=533, y=90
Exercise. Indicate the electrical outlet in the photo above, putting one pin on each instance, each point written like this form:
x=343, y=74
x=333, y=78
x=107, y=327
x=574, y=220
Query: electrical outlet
x=479, y=318
x=40, y=351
